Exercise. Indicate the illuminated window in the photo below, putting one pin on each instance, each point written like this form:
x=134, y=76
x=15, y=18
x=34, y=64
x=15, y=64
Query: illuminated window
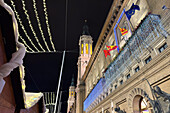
x=81, y=48
x=91, y=49
x=72, y=93
x=86, y=48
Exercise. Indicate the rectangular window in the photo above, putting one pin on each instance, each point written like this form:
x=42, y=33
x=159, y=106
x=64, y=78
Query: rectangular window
x=148, y=59
x=86, y=48
x=110, y=90
x=106, y=93
x=115, y=86
x=137, y=69
x=121, y=82
x=128, y=76
x=81, y=48
x=163, y=47
x=91, y=49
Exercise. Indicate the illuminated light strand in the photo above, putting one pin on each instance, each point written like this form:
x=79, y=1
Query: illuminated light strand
x=30, y=24
x=22, y=26
x=48, y=26
x=26, y=44
x=39, y=24
x=68, y=51
x=46, y=52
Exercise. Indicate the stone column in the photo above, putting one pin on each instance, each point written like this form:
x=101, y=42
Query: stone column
x=112, y=107
x=102, y=110
x=80, y=97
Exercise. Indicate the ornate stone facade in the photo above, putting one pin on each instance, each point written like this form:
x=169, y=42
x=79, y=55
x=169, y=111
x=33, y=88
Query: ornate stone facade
x=136, y=77
x=141, y=63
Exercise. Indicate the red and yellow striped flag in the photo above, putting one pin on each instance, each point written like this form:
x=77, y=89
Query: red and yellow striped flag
x=109, y=48
x=123, y=31
x=106, y=52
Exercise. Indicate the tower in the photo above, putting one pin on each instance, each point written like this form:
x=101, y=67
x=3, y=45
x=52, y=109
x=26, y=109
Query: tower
x=71, y=99
x=85, y=46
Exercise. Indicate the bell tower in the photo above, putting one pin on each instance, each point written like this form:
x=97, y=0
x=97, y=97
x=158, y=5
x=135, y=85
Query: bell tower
x=71, y=98
x=85, y=47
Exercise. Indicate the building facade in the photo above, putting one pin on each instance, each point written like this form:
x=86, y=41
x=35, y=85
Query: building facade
x=135, y=77
x=127, y=80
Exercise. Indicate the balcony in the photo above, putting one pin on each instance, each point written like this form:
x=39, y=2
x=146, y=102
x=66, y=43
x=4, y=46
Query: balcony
x=149, y=32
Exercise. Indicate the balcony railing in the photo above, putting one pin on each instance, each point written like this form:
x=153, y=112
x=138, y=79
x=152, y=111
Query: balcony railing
x=146, y=35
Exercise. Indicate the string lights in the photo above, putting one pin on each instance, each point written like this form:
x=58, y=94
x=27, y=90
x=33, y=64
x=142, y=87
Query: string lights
x=22, y=26
x=30, y=50
x=26, y=44
x=30, y=24
x=39, y=24
x=48, y=26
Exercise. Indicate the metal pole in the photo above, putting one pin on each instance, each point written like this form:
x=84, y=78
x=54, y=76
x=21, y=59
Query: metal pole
x=59, y=106
x=59, y=81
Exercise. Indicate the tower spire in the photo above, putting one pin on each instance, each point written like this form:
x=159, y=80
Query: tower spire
x=85, y=29
x=72, y=81
x=71, y=98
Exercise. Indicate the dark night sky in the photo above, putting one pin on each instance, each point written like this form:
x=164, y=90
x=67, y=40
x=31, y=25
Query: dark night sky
x=42, y=70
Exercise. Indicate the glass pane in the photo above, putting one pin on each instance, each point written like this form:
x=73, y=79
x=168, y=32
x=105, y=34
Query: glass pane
x=144, y=106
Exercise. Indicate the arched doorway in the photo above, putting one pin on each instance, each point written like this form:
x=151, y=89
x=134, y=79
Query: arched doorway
x=143, y=106
x=140, y=105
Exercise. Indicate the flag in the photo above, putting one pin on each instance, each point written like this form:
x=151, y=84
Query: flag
x=131, y=11
x=106, y=52
x=109, y=48
x=123, y=31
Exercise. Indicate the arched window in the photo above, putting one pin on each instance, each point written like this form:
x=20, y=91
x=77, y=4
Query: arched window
x=87, y=48
x=82, y=48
